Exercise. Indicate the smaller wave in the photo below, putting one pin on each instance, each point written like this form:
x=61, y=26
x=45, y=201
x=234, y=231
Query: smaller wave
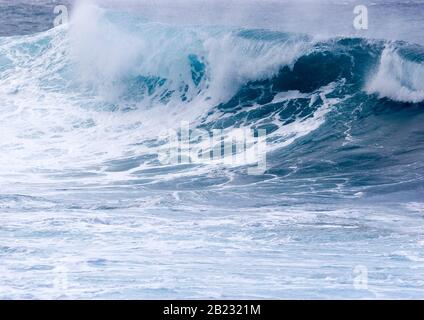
x=399, y=77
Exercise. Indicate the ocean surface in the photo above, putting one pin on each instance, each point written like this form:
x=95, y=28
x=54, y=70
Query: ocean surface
x=89, y=209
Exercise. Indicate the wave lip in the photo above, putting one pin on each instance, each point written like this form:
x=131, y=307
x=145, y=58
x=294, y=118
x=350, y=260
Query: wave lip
x=398, y=78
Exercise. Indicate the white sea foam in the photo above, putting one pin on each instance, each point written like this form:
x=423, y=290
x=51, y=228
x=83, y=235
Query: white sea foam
x=398, y=78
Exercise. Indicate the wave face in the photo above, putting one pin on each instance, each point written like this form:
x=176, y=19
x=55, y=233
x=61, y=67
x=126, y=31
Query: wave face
x=84, y=109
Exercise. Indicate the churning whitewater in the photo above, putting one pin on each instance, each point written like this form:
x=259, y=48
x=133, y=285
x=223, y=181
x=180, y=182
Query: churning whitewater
x=88, y=209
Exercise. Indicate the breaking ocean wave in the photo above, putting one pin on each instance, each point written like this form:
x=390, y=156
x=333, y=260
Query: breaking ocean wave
x=85, y=195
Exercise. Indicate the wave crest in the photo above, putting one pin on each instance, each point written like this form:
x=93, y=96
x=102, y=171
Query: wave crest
x=397, y=78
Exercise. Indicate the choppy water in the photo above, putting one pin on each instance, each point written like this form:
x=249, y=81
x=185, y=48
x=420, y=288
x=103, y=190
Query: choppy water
x=89, y=210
